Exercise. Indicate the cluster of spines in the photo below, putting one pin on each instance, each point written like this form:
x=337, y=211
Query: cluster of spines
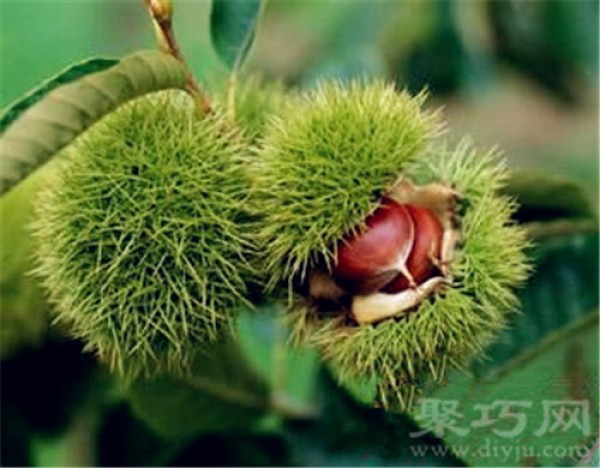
x=324, y=163
x=447, y=329
x=180, y=189
x=143, y=248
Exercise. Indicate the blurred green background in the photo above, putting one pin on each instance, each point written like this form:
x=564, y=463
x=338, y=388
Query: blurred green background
x=522, y=75
x=519, y=74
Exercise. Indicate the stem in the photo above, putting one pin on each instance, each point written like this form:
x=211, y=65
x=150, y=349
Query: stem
x=161, y=13
x=231, y=395
x=289, y=408
x=80, y=439
x=231, y=90
x=580, y=324
x=279, y=358
x=279, y=403
x=540, y=230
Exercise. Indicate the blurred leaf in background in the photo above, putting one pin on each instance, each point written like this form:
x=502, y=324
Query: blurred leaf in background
x=565, y=370
x=427, y=54
x=221, y=393
x=41, y=37
x=24, y=311
x=554, y=43
x=233, y=25
x=348, y=434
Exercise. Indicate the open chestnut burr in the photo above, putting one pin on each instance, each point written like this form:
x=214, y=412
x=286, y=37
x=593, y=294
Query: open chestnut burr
x=400, y=256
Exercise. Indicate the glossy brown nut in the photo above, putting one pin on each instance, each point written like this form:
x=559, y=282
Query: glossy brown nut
x=426, y=251
x=370, y=259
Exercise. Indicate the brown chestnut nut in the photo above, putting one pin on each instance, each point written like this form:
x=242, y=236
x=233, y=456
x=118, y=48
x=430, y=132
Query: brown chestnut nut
x=424, y=258
x=370, y=259
x=400, y=248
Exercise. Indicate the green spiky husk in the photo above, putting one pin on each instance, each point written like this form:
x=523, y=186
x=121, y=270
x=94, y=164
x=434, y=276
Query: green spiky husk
x=323, y=165
x=255, y=101
x=449, y=328
x=141, y=238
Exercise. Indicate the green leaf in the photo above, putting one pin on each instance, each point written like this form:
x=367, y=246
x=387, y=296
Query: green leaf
x=221, y=393
x=233, y=27
x=71, y=73
x=562, y=291
x=65, y=112
x=349, y=434
x=25, y=309
x=546, y=197
x=566, y=371
x=290, y=371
